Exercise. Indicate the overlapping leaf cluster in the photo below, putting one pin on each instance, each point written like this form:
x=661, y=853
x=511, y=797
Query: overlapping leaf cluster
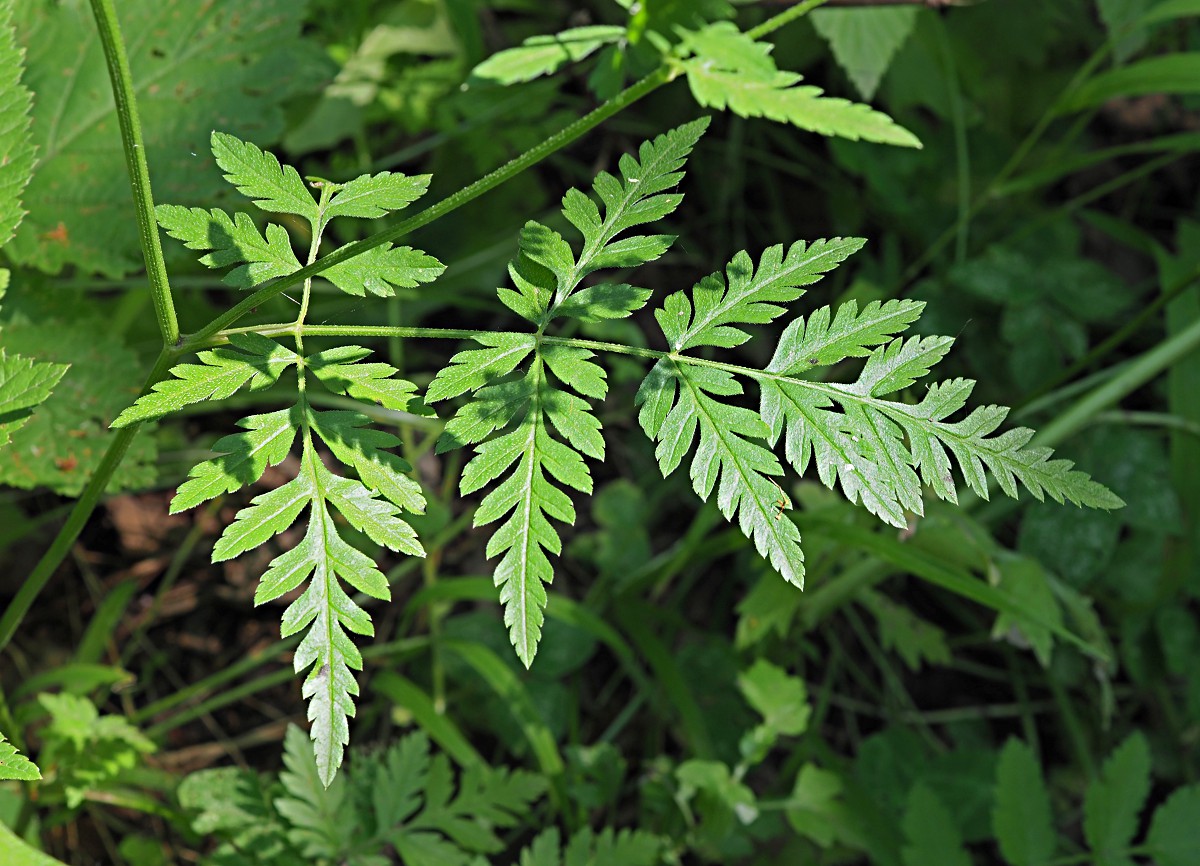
x=371, y=503
x=545, y=430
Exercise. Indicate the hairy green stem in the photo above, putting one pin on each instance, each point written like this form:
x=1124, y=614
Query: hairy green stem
x=135, y=163
x=87, y=502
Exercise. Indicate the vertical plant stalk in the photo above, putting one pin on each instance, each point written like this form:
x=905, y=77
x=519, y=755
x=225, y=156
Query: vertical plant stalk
x=135, y=163
x=76, y=520
x=164, y=308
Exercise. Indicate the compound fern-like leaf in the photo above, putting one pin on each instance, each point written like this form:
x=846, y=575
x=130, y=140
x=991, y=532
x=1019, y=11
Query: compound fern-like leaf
x=544, y=430
x=881, y=452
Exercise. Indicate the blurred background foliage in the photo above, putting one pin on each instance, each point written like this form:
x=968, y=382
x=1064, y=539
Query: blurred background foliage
x=1001, y=683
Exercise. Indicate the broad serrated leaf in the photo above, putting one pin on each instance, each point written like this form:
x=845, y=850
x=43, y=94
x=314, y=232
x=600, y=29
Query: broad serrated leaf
x=1172, y=837
x=14, y=766
x=24, y=385
x=1021, y=817
x=371, y=196
x=16, y=141
x=730, y=70
x=79, y=200
x=1115, y=801
x=231, y=241
x=864, y=41
x=260, y=176
x=932, y=837
x=381, y=269
x=542, y=55
x=251, y=361
x=746, y=295
x=244, y=457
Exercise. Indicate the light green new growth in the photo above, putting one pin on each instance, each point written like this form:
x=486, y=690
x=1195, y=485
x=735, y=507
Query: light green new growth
x=529, y=407
x=543, y=55
x=372, y=503
x=728, y=69
x=14, y=766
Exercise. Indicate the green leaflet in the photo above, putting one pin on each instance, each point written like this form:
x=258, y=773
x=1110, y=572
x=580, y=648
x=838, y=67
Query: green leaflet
x=730, y=70
x=231, y=241
x=24, y=384
x=748, y=296
x=930, y=831
x=16, y=144
x=728, y=452
x=371, y=196
x=542, y=55
x=260, y=177
x=14, y=766
x=531, y=494
x=79, y=198
x=244, y=457
x=585, y=848
x=1114, y=802
x=380, y=268
x=251, y=361
x=880, y=451
x=1021, y=818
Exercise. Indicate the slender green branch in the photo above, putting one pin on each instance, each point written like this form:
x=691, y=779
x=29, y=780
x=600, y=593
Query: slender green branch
x=135, y=163
x=84, y=506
